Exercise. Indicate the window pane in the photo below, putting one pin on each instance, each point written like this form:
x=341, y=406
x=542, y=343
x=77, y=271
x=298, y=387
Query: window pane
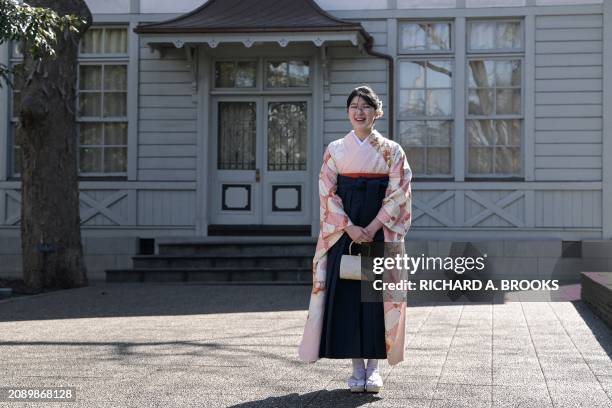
x=507, y=160
x=481, y=74
x=90, y=104
x=115, y=104
x=416, y=158
x=412, y=103
x=439, y=102
x=224, y=74
x=508, y=73
x=482, y=35
x=287, y=133
x=91, y=43
x=412, y=133
x=480, y=160
x=438, y=36
x=439, y=74
x=90, y=134
x=412, y=74
x=245, y=74
x=509, y=35
x=17, y=160
x=438, y=160
x=299, y=73
x=481, y=133
x=508, y=101
x=480, y=102
x=17, y=156
x=115, y=77
x=90, y=159
x=16, y=102
x=115, y=134
x=439, y=132
x=90, y=77
x=508, y=132
x=115, y=159
x=277, y=74
x=236, y=136
x=115, y=41
x=413, y=37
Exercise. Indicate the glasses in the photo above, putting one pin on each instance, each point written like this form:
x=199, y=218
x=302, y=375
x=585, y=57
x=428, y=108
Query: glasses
x=364, y=108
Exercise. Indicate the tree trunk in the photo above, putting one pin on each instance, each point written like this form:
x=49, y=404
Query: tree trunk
x=50, y=221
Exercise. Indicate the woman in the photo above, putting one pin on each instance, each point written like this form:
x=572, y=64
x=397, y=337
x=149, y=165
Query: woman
x=364, y=188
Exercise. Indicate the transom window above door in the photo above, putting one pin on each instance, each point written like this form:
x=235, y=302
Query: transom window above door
x=263, y=74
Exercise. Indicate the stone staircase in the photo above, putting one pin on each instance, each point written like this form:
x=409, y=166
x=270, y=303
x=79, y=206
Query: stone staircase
x=278, y=262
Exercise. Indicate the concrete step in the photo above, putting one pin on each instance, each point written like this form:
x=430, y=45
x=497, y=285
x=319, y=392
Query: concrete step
x=230, y=274
x=596, y=291
x=222, y=261
x=278, y=249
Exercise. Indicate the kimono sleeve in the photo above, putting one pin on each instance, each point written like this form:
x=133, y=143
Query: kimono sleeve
x=333, y=219
x=395, y=213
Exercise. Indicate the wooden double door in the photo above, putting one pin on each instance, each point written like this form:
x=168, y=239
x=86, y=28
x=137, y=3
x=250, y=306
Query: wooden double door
x=260, y=159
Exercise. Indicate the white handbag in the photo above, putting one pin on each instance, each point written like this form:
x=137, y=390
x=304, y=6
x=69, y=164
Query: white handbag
x=351, y=266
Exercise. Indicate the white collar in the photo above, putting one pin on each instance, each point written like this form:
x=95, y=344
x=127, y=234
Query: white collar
x=359, y=141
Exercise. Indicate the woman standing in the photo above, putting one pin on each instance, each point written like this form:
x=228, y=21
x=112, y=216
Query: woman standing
x=364, y=188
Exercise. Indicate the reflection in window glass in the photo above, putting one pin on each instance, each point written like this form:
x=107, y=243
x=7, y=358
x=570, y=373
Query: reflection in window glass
x=287, y=135
x=495, y=35
x=235, y=74
x=426, y=94
x=424, y=36
x=494, y=147
x=288, y=74
x=428, y=146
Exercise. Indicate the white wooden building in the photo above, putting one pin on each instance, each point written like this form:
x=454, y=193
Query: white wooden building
x=204, y=124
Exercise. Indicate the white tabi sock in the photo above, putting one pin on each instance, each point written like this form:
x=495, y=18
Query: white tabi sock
x=372, y=365
x=358, y=367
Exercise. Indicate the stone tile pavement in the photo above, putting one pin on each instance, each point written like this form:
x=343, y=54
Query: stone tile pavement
x=235, y=346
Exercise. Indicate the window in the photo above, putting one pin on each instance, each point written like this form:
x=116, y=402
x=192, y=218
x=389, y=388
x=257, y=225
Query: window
x=16, y=59
x=102, y=102
x=287, y=74
x=424, y=36
x=494, y=95
x=235, y=74
x=425, y=98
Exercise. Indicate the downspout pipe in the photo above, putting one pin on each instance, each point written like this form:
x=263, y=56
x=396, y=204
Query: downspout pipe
x=390, y=81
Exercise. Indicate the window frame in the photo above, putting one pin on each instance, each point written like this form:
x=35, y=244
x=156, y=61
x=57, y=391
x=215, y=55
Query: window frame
x=451, y=32
x=103, y=59
x=425, y=118
x=495, y=55
x=15, y=58
x=260, y=76
x=468, y=34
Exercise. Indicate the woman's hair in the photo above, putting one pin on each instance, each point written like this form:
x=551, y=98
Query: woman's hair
x=368, y=95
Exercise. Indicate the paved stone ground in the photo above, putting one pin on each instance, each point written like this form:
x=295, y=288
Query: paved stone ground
x=214, y=346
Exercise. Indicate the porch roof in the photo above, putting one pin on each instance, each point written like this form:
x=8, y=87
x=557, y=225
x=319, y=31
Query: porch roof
x=249, y=21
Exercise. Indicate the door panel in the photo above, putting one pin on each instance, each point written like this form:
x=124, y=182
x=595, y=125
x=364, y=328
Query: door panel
x=260, y=165
x=286, y=190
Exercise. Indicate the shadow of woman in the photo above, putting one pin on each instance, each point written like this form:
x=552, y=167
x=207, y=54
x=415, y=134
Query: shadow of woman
x=324, y=398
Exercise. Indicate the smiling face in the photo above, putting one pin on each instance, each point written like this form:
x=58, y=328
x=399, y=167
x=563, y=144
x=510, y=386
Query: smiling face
x=362, y=116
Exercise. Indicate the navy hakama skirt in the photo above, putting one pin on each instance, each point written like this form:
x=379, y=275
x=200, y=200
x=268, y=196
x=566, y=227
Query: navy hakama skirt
x=351, y=328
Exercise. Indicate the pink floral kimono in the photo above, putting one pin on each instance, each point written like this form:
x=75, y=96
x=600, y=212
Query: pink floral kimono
x=377, y=155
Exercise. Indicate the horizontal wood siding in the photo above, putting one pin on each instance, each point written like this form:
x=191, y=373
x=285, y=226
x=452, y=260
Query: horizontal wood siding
x=568, y=103
x=167, y=118
x=349, y=68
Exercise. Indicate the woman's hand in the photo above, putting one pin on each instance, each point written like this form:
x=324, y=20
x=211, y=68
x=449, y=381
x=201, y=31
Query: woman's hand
x=358, y=234
x=373, y=228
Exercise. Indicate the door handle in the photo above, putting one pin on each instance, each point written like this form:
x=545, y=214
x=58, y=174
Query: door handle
x=257, y=175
